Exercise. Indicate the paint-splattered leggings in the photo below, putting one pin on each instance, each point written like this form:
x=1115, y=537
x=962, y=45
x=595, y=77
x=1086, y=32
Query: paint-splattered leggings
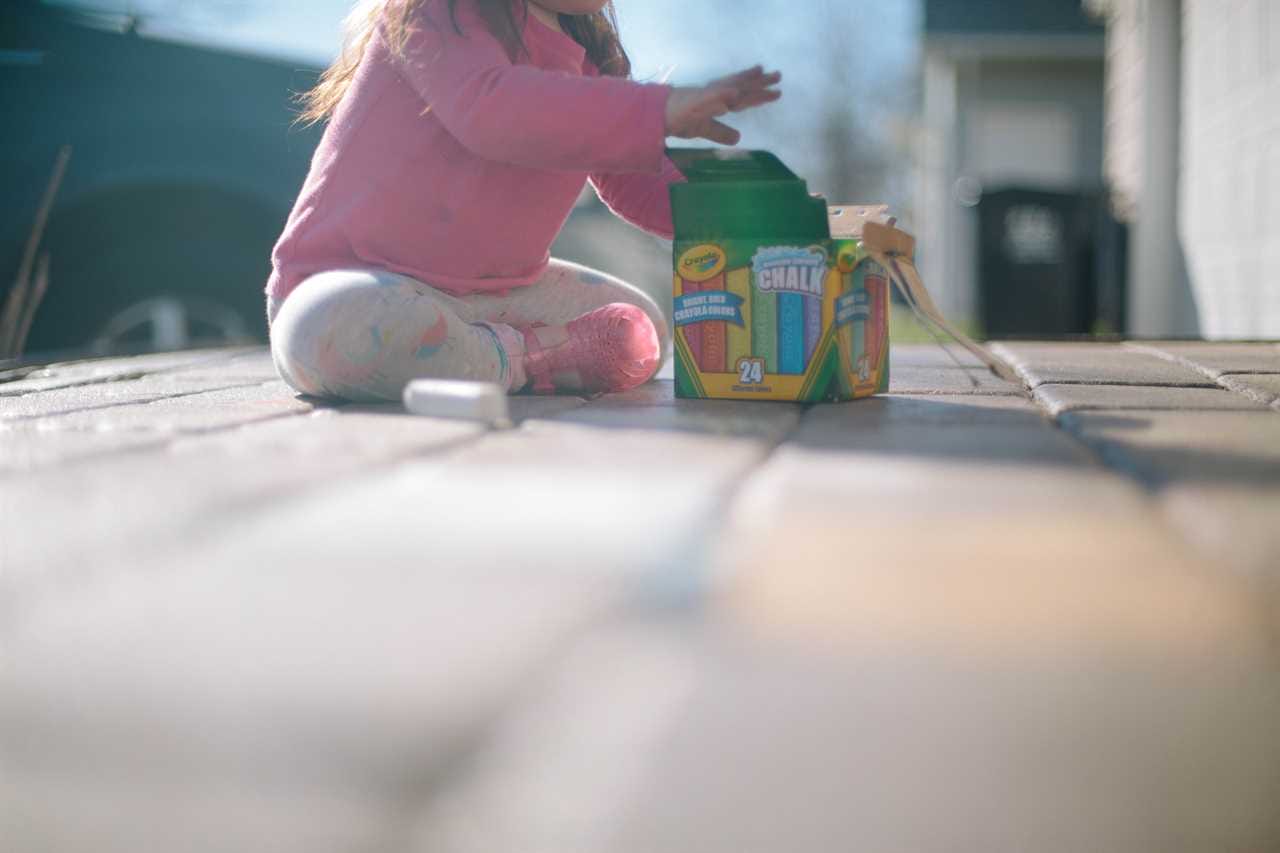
x=362, y=334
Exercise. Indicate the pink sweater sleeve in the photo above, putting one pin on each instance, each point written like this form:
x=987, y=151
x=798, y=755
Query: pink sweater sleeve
x=525, y=115
x=642, y=200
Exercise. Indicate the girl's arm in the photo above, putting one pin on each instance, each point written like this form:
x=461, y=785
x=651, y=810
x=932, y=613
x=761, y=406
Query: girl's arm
x=642, y=200
x=525, y=115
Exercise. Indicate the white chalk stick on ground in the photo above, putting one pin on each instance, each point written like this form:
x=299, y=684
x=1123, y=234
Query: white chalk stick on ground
x=485, y=402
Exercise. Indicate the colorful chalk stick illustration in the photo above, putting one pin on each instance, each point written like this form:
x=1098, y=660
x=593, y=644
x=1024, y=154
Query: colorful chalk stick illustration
x=870, y=289
x=693, y=331
x=790, y=333
x=877, y=288
x=738, y=346
x=764, y=328
x=812, y=325
x=714, y=343
x=859, y=347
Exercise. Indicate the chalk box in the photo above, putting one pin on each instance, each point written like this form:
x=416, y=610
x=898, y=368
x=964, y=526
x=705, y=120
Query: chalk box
x=774, y=298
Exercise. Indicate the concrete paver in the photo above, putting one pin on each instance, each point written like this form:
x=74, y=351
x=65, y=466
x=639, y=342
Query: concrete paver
x=1215, y=359
x=33, y=442
x=1240, y=448
x=408, y=605
x=1098, y=364
x=935, y=620
x=844, y=530
x=1217, y=474
x=1233, y=526
x=654, y=406
x=128, y=505
x=185, y=695
x=251, y=364
x=109, y=370
x=983, y=429
x=104, y=395
x=1261, y=387
x=1057, y=399
x=931, y=355
x=724, y=738
x=943, y=380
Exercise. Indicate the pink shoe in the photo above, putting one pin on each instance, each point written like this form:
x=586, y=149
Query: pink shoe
x=613, y=348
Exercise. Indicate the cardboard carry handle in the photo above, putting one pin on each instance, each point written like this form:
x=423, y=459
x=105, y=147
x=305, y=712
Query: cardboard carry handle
x=895, y=251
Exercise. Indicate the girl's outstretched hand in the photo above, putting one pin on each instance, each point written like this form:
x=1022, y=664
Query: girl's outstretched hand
x=694, y=111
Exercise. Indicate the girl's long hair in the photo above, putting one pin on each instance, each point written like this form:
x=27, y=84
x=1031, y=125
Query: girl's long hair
x=597, y=33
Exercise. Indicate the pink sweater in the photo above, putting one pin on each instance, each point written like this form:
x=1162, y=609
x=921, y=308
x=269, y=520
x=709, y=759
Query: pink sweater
x=459, y=168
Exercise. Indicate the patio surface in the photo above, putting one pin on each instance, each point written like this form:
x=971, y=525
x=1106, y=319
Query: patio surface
x=952, y=618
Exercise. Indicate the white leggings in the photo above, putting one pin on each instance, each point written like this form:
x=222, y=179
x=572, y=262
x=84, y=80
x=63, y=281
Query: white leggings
x=363, y=334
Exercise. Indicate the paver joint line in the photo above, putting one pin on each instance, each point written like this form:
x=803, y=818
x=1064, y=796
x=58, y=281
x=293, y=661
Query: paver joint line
x=1252, y=385
x=140, y=402
x=207, y=359
x=1233, y=378
x=1173, y=358
x=165, y=440
x=93, y=380
x=207, y=527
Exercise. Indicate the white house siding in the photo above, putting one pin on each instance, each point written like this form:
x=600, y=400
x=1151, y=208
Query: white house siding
x=1229, y=215
x=1213, y=158
x=936, y=166
x=1122, y=161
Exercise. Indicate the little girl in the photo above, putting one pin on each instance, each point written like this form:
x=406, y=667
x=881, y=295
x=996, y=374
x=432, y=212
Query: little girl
x=460, y=134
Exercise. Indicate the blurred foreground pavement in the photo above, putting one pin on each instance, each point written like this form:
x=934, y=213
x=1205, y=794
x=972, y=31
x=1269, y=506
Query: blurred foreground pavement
x=953, y=618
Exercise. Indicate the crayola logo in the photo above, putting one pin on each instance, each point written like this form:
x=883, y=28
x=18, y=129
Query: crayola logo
x=701, y=263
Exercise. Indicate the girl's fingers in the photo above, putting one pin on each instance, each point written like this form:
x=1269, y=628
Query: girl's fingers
x=756, y=99
x=737, y=77
x=692, y=112
x=713, y=102
x=761, y=84
x=752, y=77
x=755, y=92
x=718, y=131
x=757, y=77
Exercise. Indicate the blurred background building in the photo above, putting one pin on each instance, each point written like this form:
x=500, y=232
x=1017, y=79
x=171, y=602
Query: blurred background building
x=1193, y=159
x=1010, y=206
x=1070, y=166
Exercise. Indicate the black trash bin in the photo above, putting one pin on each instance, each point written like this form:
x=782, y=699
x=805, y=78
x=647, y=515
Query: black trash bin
x=1050, y=264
